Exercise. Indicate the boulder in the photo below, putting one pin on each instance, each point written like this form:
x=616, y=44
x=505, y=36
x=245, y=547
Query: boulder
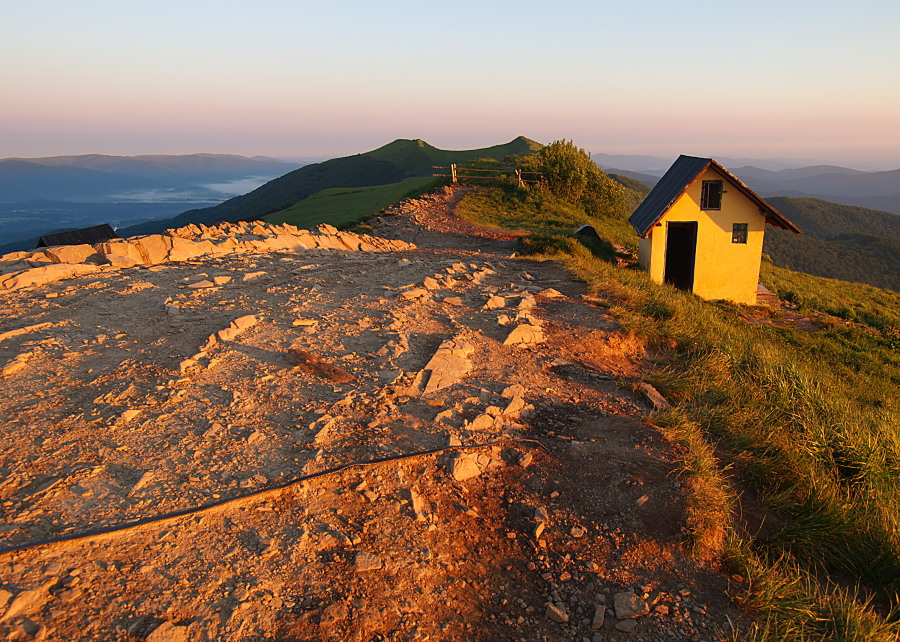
x=122, y=248
x=659, y=403
x=15, y=256
x=71, y=253
x=186, y=249
x=45, y=274
x=225, y=245
x=10, y=267
x=118, y=260
x=154, y=248
x=329, y=243
x=350, y=241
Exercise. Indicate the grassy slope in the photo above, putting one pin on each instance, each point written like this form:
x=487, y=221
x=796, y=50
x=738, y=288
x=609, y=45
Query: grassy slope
x=343, y=205
x=809, y=420
x=391, y=163
x=388, y=164
x=549, y=218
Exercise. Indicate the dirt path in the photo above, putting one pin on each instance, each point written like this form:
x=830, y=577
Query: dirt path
x=124, y=408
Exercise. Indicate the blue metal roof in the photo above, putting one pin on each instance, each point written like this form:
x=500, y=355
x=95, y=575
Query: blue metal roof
x=683, y=172
x=672, y=185
x=87, y=235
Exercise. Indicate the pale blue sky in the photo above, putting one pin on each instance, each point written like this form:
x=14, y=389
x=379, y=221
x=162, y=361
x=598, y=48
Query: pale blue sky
x=790, y=79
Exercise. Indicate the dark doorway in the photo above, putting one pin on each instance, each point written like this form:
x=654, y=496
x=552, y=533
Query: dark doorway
x=681, y=249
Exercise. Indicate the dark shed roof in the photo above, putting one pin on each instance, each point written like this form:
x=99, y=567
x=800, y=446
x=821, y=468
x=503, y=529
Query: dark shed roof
x=87, y=235
x=680, y=176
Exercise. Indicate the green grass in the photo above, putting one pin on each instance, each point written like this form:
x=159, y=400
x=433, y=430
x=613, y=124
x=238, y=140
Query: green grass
x=810, y=421
x=391, y=163
x=521, y=209
x=795, y=605
x=550, y=220
x=867, y=304
x=341, y=206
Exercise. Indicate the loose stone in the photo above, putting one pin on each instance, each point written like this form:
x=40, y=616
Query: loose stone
x=557, y=613
x=626, y=626
x=367, y=562
x=628, y=606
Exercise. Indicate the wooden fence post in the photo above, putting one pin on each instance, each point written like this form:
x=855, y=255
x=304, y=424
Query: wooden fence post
x=519, y=178
x=452, y=172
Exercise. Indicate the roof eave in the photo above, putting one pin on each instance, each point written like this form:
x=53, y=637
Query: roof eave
x=665, y=210
x=773, y=216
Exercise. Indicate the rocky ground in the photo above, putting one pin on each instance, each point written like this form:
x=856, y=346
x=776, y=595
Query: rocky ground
x=552, y=511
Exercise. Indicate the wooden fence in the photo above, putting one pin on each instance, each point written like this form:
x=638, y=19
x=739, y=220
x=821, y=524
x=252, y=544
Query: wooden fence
x=466, y=174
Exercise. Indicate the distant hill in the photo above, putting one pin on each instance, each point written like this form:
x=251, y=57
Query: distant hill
x=876, y=190
x=657, y=165
x=635, y=189
x=648, y=180
x=98, y=177
x=824, y=220
x=824, y=179
x=389, y=164
x=839, y=241
x=183, y=168
x=26, y=180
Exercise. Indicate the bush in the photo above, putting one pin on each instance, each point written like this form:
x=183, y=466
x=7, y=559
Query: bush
x=568, y=172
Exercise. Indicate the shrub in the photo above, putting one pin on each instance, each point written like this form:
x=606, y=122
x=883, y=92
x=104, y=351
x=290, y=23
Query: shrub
x=568, y=173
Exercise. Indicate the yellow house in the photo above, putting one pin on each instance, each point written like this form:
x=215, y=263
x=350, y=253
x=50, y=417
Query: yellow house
x=701, y=230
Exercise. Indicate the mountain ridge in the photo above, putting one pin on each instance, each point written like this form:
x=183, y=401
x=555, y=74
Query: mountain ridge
x=840, y=241
x=390, y=163
x=21, y=180
x=872, y=189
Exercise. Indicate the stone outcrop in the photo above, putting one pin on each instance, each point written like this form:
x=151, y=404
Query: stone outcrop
x=35, y=276
x=72, y=253
x=19, y=270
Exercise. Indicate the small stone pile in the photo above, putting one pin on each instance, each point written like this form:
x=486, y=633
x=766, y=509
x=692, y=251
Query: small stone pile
x=19, y=270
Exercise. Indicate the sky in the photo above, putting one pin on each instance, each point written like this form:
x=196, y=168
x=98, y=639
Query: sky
x=789, y=79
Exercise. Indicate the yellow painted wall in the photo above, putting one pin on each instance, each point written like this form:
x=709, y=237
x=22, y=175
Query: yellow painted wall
x=722, y=269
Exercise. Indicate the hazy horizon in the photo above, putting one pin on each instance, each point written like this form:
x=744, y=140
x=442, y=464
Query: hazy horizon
x=773, y=163
x=799, y=80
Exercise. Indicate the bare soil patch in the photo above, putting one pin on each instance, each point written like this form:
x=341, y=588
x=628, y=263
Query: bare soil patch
x=125, y=408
